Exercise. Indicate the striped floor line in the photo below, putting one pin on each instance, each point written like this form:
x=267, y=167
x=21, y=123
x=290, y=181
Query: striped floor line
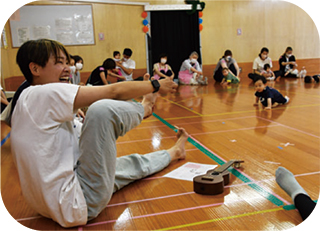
x=5, y=139
x=273, y=198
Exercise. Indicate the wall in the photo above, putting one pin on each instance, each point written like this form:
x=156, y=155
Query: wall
x=121, y=25
x=274, y=24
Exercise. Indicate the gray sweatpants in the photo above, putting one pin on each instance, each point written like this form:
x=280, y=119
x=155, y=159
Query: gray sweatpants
x=100, y=172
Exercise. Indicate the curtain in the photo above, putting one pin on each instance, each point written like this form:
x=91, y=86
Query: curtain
x=175, y=33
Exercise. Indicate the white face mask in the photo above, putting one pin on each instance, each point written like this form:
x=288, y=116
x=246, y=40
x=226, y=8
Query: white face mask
x=289, y=55
x=163, y=61
x=264, y=56
x=79, y=66
x=73, y=69
x=228, y=58
x=193, y=60
x=125, y=59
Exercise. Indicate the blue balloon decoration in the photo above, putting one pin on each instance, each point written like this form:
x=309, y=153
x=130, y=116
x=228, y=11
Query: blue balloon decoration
x=145, y=22
x=200, y=20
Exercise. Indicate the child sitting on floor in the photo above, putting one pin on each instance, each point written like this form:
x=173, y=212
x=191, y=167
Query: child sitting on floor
x=268, y=97
x=267, y=70
x=228, y=77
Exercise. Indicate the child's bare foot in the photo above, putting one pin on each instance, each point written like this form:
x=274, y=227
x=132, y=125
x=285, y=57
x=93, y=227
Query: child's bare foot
x=178, y=152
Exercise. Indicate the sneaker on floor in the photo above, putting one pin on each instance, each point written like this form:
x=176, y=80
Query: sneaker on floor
x=288, y=99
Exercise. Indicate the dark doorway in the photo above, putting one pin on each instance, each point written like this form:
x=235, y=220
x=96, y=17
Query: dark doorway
x=175, y=33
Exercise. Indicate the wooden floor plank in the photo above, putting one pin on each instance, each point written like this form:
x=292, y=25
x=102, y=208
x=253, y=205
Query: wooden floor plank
x=224, y=121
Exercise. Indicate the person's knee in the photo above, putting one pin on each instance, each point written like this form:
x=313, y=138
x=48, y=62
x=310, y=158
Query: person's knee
x=100, y=110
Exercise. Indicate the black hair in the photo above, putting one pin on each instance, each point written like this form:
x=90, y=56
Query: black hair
x=308, y=79
x=260, y=77
x=287, y=49
x=227, y=53
x=39, y=52
x=109, y=64
x=266, y=66
x=264, y=49
x=77, y=58
x=162, y=55
x=128, y=52
x=116, y=53
x=225, y=68
x=316, y=78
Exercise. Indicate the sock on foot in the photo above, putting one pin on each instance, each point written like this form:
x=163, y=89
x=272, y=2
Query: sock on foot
x=288, y=183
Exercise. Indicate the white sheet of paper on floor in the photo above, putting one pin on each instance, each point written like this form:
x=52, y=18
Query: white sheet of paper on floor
x=189, y=170
x=287, y=144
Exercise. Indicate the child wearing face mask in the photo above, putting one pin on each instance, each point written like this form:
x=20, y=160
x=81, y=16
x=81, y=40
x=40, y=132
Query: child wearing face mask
x=162, y=70
x=76, y=68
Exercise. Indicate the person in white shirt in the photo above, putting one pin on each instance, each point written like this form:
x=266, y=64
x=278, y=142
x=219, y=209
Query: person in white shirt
x=190, y=71
x=127, y=65
x=258, y=64
x=4, y=100
x=67, y=176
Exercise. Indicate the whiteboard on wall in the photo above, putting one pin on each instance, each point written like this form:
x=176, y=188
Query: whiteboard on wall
x=68, y=24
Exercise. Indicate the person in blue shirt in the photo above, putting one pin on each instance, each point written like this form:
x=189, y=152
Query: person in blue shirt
x=268, y=97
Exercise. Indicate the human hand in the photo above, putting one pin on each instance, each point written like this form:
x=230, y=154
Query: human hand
x=146, y=76
x=80, y=114
x=167, y=85
x=268, y=108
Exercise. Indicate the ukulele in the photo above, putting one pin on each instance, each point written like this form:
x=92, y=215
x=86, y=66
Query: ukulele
x=213, y=182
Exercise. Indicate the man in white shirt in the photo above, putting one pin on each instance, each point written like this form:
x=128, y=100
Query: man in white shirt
x=127, y=65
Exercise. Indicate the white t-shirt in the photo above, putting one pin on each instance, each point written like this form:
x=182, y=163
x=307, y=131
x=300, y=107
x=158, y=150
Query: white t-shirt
x=45, y=148
x=186, y=65
x=258, y=63
x=131, y=64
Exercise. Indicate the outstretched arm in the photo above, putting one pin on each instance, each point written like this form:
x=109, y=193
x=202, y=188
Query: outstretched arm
x=120, y=91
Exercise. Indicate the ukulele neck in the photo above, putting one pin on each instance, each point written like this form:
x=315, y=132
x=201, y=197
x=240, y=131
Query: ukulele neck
x=225, y=166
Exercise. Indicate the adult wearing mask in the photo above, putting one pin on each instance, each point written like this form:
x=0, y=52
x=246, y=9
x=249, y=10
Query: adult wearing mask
x=127, y=65
x=258, y=65
x=287, y=63
x=161, y=69
x=190, y=71
x=226, y=62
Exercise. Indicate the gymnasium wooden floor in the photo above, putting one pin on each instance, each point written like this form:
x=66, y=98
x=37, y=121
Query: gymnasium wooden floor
x=223, y=125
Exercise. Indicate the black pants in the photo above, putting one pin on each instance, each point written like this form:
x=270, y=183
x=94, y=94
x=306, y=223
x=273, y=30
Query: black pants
x=255, y=76
x=304, y=204
x=218, y=76
x=288, y=76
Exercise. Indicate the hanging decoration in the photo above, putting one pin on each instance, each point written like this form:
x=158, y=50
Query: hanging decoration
x=144, y=14
x=200, y=21
x=145, y=22
x=145, y=29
